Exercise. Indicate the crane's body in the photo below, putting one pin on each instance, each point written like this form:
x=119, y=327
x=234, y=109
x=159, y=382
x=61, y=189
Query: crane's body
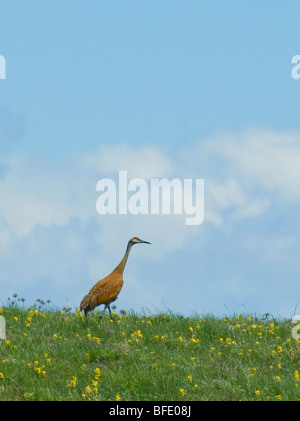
x=107, y=289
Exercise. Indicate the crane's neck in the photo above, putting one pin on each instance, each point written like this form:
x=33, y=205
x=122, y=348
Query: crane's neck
x=121, y=265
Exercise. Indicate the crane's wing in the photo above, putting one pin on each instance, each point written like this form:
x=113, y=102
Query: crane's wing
x=103, y=292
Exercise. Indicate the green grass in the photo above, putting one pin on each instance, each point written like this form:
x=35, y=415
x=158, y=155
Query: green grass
x=58, y=355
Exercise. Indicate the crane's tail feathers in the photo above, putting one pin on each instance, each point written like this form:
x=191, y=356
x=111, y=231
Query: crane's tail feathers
x=85, y=305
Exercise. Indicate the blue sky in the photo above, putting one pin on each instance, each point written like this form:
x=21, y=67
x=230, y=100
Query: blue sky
x=188, y=89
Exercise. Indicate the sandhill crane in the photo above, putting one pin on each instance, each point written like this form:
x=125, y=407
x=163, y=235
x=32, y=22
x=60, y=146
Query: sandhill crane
x=107, y=289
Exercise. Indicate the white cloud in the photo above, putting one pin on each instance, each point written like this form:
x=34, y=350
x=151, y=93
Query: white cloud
x=48, y=192
x=41, y=198
x=229, y=194
x=266, y=159
x=144, y=162
x=256, y=163
x=245, y=171
x=43, y=192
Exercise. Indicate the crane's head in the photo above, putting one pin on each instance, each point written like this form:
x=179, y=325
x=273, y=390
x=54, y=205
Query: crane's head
x=136, y=240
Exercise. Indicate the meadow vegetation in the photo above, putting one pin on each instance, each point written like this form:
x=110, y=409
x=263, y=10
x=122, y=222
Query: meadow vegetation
x=51, y=354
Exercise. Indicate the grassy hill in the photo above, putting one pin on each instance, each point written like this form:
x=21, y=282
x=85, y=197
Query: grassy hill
x=60, y=355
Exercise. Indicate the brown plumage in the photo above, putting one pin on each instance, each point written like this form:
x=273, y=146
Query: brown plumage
x=107, y=289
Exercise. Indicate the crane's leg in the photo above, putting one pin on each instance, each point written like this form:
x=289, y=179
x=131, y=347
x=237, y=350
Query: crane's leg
x=110, y=313
x=107, y=305
x=101, y=314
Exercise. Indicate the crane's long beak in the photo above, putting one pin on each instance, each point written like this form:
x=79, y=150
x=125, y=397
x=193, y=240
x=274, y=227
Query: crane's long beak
x=146, y=242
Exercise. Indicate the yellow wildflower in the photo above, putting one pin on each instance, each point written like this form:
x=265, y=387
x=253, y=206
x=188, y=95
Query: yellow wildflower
x=27, y=395
x=72, y=383
x=79, y=313
x=88, y=389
